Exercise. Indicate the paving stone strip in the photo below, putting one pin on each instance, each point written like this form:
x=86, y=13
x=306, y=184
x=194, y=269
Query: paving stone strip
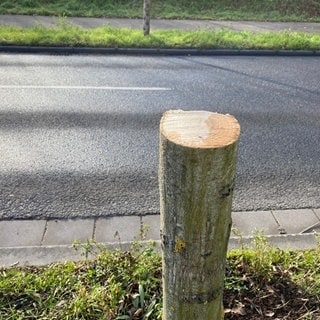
x=46, y=241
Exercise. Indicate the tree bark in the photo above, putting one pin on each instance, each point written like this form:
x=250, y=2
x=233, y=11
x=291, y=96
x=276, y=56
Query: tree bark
x=146, y=17
x=196, y=177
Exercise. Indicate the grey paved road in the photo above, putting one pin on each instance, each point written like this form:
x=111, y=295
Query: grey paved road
x=79, y=135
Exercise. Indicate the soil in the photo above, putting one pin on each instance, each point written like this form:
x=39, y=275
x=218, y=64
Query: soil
x=277, y=299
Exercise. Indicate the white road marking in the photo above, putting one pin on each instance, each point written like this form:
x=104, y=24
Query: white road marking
x=85, y=88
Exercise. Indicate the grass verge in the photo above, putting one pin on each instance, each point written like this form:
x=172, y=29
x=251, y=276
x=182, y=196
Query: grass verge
x=272, y=10
x=108, y=37
x=261, y=283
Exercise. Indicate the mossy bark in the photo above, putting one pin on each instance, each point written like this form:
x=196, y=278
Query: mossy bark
x=196, y=182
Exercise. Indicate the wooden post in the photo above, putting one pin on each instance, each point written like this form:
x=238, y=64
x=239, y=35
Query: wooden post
x=146, y=17
x=196, y=176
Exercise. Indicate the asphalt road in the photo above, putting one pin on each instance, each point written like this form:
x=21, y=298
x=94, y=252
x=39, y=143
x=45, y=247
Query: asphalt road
x=79, y=134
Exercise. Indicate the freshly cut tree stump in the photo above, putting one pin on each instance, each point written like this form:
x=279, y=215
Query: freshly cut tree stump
x=198, y=152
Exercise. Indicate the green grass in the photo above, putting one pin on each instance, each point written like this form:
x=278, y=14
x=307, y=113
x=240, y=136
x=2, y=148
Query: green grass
x=260, y=283
x=108, y=37
x=272, y=10
x=66, y=35
x=111, y=286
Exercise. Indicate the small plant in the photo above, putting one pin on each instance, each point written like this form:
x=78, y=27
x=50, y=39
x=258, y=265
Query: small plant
x=91, y=248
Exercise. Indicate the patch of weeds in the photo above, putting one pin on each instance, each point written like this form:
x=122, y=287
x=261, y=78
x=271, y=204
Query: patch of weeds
x=266, y=282
x=132, y=278
x=261, y=283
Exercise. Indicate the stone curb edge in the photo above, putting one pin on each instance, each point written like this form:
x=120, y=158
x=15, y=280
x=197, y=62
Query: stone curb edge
x=42, y=255
x=154, y=51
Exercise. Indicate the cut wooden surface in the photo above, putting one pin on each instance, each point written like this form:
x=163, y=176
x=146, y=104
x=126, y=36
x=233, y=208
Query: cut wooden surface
x=199, y=129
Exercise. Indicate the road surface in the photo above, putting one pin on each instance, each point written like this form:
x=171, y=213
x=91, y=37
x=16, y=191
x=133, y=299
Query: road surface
x=79, y=134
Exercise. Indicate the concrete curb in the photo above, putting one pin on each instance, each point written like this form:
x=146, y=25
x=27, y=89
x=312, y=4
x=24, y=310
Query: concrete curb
x=154, y=51
x=285, y=242
x=39, y=242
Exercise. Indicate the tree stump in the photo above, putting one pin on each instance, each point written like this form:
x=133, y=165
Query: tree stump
x=198, y=152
